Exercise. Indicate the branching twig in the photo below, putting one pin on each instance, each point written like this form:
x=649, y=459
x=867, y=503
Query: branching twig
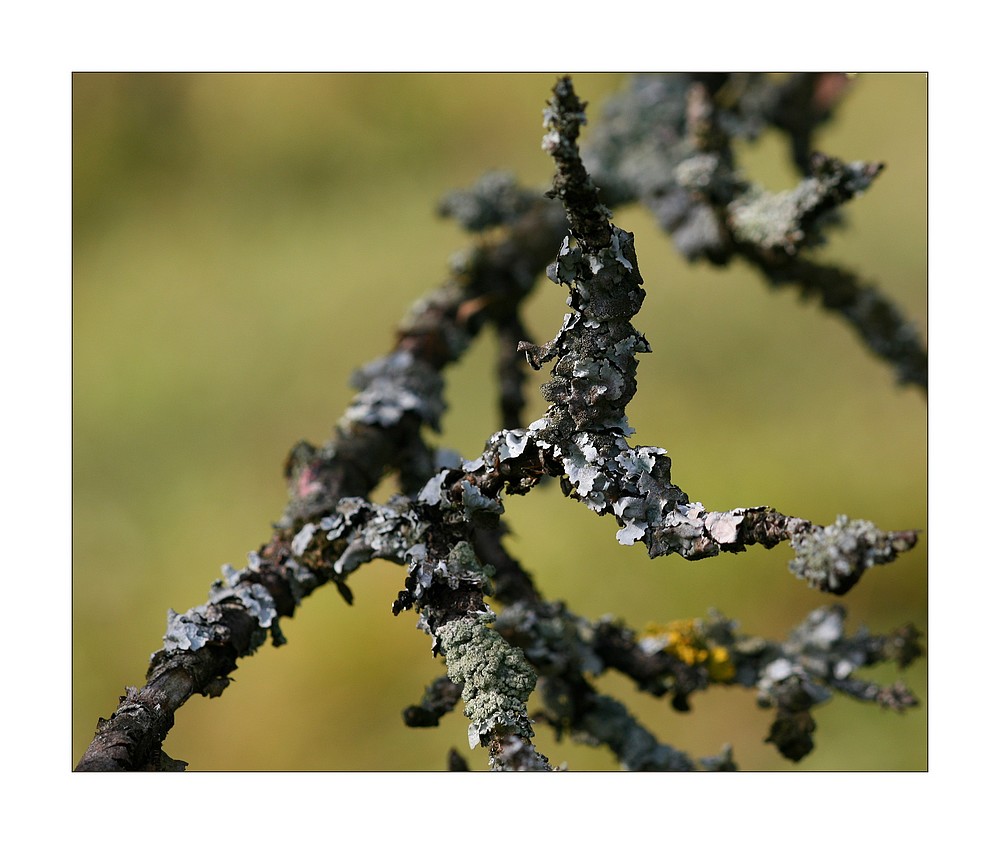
x=445, y=525
x=667, y=143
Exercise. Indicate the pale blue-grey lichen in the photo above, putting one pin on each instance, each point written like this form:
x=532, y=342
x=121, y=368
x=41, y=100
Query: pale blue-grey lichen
x=784, y=676
x=301, y=540
x=645, y=149
x=555, y=640
x=393, y=385
x=787, y=221
x=192, y=630
x=821, y=648
x=634, y=148
x=434, y=489
x=202, y=625
x=608, y=474
x=374, y=531
x=513, y=443
x=639, y=149
x=817, y=659
x=594, y=377
x=478, y=507
x=496, y=678
x=834, y=557
x=253, y=596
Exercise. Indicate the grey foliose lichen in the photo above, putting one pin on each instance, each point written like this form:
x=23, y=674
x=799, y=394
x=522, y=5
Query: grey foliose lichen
x=632, y=151
x=192, y=630
x=786, y=221
x=360, y=532
x=204, y=625
x=496, y=678
x=552, y=638
x=819, y=645
x=585, y=426
x=594, y=377
x=393, y=385
x=640, y=151
x=479, y=509
x=496, y=199
x=833, y=558
x=473, y=507
x=633, y=483
x=254, y=597
x=783, y=676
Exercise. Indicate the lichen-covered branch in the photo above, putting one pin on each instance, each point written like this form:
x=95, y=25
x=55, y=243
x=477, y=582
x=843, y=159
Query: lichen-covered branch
x=379, y=433
x=667, y=143
x=582, y=437
x=444, y=525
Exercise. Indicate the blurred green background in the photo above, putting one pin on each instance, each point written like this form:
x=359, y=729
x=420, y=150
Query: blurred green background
x=242, y=242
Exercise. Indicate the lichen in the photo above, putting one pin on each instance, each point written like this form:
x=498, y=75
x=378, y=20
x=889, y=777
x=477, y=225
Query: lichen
x=494, y=200
x=203, y=625
x=833, y=558
x=786, y=221
x=688, y=641
x=478, y=507
x=393, y=385
x=552, y=638
x=191, y=630
x=496, y=678
x=461, y=566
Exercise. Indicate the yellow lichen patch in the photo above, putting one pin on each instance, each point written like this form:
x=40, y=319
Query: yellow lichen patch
x=685, y=640
x=720, y=667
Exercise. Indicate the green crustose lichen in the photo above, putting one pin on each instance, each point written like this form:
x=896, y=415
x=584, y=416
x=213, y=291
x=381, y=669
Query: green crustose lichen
x=496, y=678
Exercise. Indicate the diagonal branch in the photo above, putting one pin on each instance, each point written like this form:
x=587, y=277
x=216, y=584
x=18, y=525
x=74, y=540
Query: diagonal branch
x=379, y=433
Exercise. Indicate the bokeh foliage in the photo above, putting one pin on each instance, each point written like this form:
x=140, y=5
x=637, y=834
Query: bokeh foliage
x=242, y=242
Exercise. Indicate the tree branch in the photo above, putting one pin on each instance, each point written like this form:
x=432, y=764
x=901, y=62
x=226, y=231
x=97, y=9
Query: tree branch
x=445, y=526
x=667, y=143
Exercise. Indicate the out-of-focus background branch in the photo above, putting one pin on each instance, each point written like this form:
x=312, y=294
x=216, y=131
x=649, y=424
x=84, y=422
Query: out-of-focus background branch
x=243, y=242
